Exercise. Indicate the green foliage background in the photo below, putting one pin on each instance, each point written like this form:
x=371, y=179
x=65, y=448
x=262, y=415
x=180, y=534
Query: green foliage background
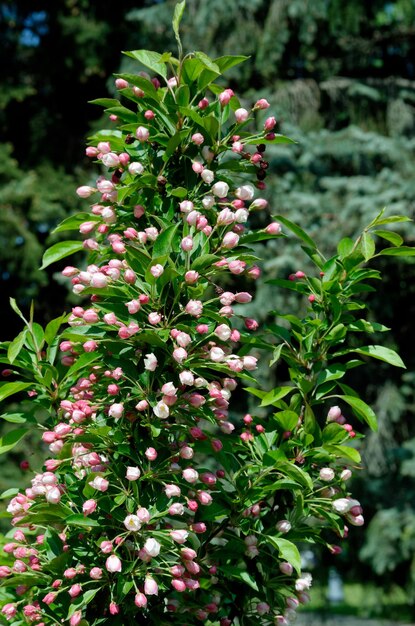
x=340, y=77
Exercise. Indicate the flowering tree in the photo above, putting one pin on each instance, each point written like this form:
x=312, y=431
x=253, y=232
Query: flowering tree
x=155, y=507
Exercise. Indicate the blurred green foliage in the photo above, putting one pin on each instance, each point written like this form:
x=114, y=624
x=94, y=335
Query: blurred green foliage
x=340, y=77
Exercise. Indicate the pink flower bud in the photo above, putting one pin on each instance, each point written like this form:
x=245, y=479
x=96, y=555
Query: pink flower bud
x=104, y=147
x=241, y=115
x=150, y=586
x=140, y=600
x=151, y=454
x=261, y=104
x=286, y=568
x=91, y=151
x=191, y=277
x=89, y=507
x=220, y=189
x=203, y=103
x=179, y=536
x=120, y=83
x=75, y=590
x=326, y=474
x=90, y=346
x=76, y=619
x=113, y=564
x=116, y=410
x=156, y=270
x=270, y=123
x=230, y=240
x=142, y=133
x=190, y=475
x=187, y=244
x=195, y=308
x=114, y=608
x=85, y=191
x=273, y=229
x=197, y=167
x=178, y=585
x=225, y=97
x=198, y=139
x=133, y=473
x=283, y=526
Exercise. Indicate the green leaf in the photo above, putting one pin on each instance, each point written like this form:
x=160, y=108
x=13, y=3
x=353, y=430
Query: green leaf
x=172, y=144
x=177, y=17
x=344, y=451
x=254, y=237
x=226, y=62
x=11, y=439
x=276, y=394
x=367, y=246
x=394, y=238
x=204, y=261
x=104, y=102
x=16, y=345
x=163, y=244
x=83, y=361
x=288, y=420
x=392, y=219
x=276, y=355
x=14, y=418
x=9, y=493
x=287, y=551
x=296, y=230
x=345, y=247
x=16, y=309
x=178, y=192
x=59, y=251
x=143, y=83
x=381, y=353
x=8, y=389
x=149, y=59
x=53, y=543
x=207, y=62
x=74, y=221
x=402, y=251
x=249, y=580
x=277, y=139
x=80, y=520
x=81, y=601
x=362, y=410
x=53, y=327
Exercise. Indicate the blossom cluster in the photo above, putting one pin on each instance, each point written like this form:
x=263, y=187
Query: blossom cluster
x=155, y=501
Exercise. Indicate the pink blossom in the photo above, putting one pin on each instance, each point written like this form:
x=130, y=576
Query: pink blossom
x=179, y=355
x=198, y=139
x=89, y=507
x=172, y=491
x=190, y=475
x=179, y=536
x=225, y=97
x=76, y=619
x=156, y=270
x=142, y=133
x=113, y=564
x=187, y=244
x=273, y=229
x=116, y=410
x=85, y=191
x=230, y=240
x=261, y=104
x=150, y=586
x=140, y=600
x=194, y=307
x=150, y=362
x=95, y=573
x=151, y=454
x=99, y=483
x=133, y=473
x=241, y=115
